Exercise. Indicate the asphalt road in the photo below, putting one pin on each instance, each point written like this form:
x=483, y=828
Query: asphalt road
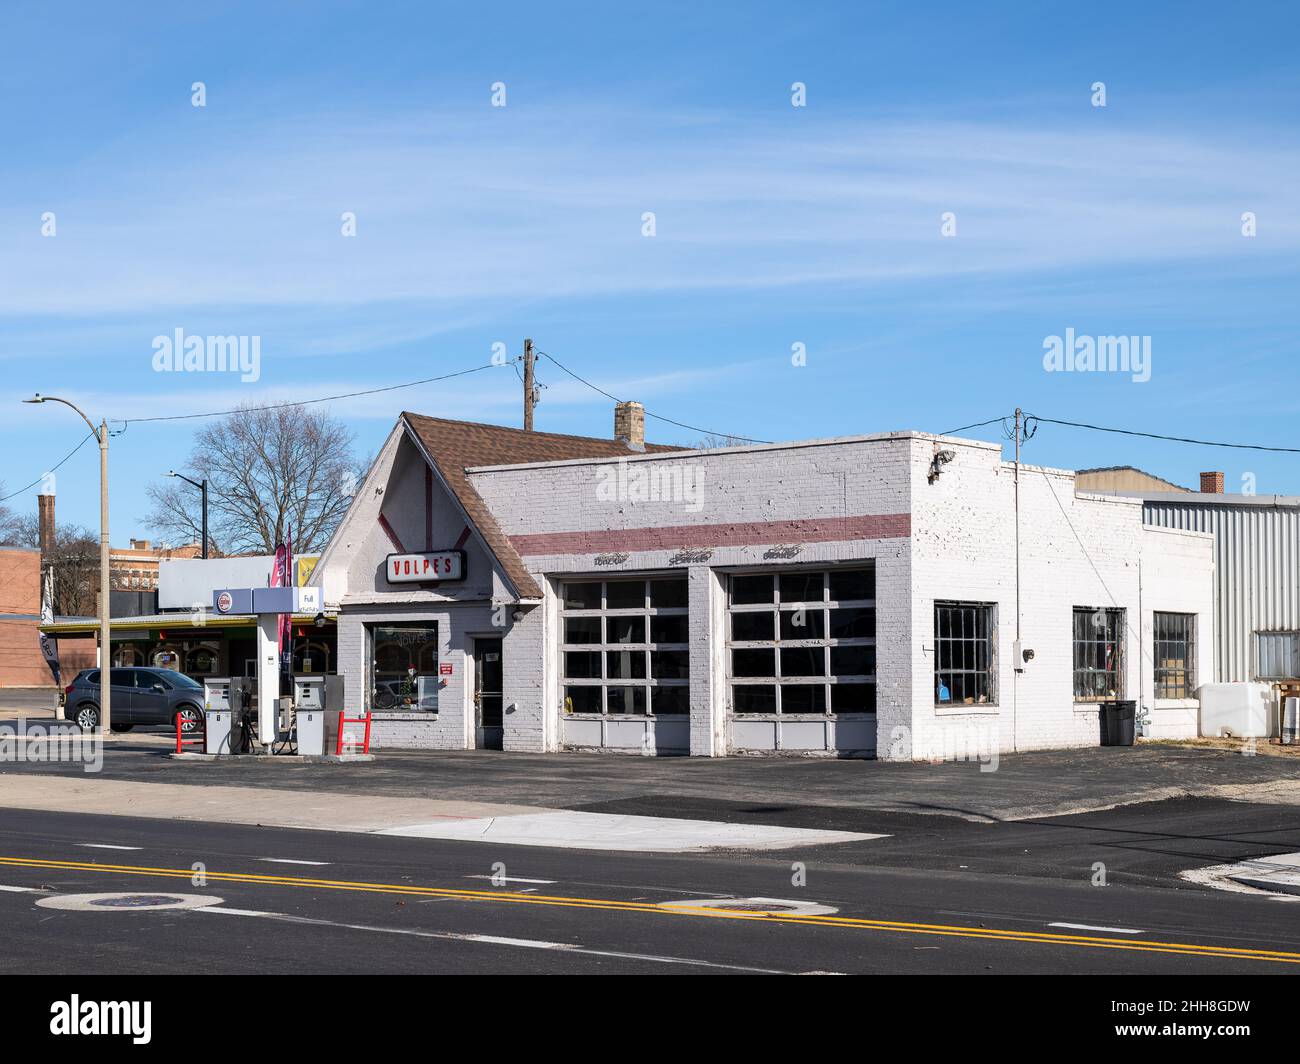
x=371, y=904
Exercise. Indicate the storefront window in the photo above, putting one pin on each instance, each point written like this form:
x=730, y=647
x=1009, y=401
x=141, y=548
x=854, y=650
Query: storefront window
x=404, y=667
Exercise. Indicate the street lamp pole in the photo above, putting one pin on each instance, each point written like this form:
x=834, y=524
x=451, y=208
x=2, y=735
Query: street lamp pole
x=203, y=487
x=105, y=648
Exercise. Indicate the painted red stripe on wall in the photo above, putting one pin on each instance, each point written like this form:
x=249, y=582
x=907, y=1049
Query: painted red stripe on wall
x=736, y=534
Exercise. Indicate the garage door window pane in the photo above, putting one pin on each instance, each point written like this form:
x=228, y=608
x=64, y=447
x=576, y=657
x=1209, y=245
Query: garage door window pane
x=753, y=663
x=670, y=664
x=749, y=590
x=853, y=697
x=625, y=664
x=668, y=629
x=585, y=596
x=582, y=629
x=753, y=627
x=626, y=629
x=625, y=595
x=803, y=624
x=749, y=699
x=802, y=587
x=625, y=699
x=850, y=585
x=668, y=594
x=582, y=665
x=582, y=699
x=803, y=698
x=803, y=661
x=670, y=700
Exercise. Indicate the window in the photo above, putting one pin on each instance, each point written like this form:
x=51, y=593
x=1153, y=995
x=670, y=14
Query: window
x=965, y=660
x=404, y=667
x=1175, y=648
x=1098, y=654
x=803, y=642
x=1277, y=655
x=624, y=646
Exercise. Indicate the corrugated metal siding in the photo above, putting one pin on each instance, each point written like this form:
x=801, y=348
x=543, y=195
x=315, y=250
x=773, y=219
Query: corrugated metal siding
x=1256, y=573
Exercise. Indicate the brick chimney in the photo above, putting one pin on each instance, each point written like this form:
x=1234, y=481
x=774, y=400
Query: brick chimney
x=45, y=525
x=629, y=425
x=1211, y=483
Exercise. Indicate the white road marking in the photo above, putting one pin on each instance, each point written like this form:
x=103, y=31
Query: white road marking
x=107, y=846
x=511, y=879
x=491, y=940
x=1094, y=927
x=290, y=860
x=20, y=890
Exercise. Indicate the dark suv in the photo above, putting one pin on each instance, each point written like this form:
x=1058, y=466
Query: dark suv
x=140, y=696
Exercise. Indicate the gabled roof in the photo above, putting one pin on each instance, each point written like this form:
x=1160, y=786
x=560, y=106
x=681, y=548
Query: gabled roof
x=454, y=446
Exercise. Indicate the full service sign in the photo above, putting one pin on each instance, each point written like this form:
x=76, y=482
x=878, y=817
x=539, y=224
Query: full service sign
x=425, y=567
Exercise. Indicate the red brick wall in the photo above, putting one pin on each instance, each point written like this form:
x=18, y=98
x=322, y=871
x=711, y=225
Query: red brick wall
x=21, y=664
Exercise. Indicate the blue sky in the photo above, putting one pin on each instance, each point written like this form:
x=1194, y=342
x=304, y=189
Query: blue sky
x=775, y=225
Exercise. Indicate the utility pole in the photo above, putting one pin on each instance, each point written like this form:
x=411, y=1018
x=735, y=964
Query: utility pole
x=530, y=393
x=105, y=645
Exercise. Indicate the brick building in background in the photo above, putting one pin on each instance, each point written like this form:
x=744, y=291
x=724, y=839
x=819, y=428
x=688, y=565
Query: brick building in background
x=21, y=663
x=133, y=587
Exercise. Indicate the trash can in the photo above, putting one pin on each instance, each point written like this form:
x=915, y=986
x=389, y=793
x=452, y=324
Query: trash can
x=1118, y=723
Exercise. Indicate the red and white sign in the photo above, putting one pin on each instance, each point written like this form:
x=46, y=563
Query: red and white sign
x=425, y=567
x=444, y=669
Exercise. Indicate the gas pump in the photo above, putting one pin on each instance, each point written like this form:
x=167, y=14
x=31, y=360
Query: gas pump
x=216, y=705
x=317, y=701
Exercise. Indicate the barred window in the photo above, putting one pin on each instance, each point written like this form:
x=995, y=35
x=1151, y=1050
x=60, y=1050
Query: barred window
x=1098, y=654
x=802, y=641
x=624, y=646
x=1175, y=650
x=965, y=658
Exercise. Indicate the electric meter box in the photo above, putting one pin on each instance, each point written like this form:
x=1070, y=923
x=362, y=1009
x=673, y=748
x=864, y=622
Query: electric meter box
x=216, y=693
x=311, y=731
x=216, y=736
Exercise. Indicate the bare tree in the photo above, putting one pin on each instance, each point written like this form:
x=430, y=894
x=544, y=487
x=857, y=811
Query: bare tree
x=713, y=440
x=267, y=467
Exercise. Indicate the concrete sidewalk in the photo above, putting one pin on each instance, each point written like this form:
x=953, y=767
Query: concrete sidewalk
x=425, y=818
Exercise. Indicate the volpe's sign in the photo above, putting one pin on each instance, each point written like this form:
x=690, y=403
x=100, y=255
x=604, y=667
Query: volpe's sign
x=428, y=566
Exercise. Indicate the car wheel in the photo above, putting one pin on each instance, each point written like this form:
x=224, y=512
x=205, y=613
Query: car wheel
x=87, y=718
x=190, y=718
x=121, y=727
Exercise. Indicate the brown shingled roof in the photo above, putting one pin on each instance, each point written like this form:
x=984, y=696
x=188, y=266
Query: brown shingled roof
x=455, y=446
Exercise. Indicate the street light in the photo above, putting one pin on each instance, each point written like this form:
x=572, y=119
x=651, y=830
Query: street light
x=105, y=649
x=203, y=487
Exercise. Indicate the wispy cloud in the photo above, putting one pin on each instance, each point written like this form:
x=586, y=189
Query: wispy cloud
x=460, y=213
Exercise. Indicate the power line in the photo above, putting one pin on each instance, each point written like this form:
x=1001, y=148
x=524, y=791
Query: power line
x=324, y=398
x=977, y=425
x=1157, y=436
x=649, y=413
x=60, y=462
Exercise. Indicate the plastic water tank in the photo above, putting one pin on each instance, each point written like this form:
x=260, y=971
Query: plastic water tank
x=1237, y=709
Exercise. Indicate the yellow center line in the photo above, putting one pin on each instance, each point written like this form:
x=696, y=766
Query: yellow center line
x=606, y=904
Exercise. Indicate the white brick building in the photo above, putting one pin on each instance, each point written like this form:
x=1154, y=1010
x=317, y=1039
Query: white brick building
x=849, y=597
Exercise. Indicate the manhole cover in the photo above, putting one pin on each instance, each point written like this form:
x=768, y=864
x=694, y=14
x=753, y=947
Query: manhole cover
x=752, y=906
x=138, y=901
x=128, y=901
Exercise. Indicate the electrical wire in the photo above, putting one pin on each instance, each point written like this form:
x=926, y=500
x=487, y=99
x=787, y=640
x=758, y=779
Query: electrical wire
x=324, y=398
x=12, y=495
x=649, y=413
x=1157, y=436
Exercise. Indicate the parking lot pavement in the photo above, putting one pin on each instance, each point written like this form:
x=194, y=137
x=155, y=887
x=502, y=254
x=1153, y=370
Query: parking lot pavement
x=811, y=792
x=32, y=703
